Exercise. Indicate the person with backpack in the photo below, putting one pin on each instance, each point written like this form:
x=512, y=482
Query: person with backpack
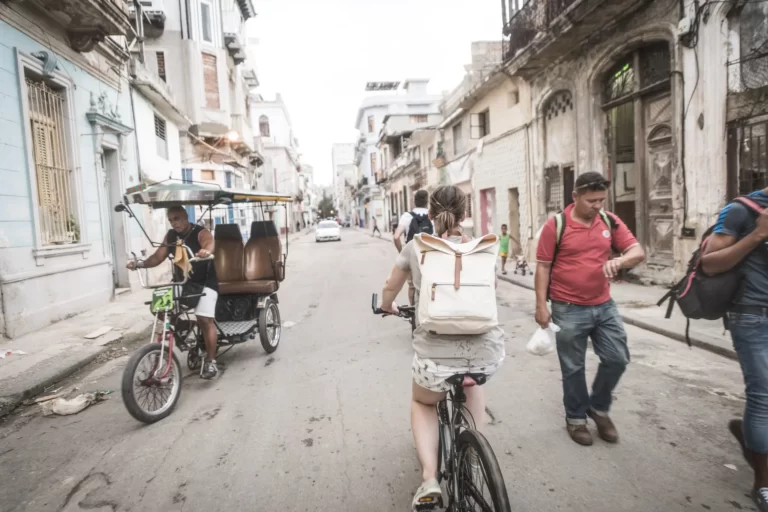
x=412, y=223
x=457, y=329
x=737, y=252
x=574, y=265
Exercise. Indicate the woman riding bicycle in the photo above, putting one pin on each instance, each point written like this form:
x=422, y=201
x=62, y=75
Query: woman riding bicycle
x=438, y=357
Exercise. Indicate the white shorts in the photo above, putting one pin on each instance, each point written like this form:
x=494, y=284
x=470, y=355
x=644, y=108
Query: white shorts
x=433, y=376
x=207, y=305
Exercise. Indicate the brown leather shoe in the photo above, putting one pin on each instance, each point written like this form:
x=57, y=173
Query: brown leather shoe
x=580, y=434
x=605, y=427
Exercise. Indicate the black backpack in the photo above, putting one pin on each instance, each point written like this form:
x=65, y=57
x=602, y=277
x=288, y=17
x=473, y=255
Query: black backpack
x=707, y=297
x=420, y=223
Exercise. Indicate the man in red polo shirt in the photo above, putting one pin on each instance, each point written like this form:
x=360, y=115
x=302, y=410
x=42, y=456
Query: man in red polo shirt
x=574, y=275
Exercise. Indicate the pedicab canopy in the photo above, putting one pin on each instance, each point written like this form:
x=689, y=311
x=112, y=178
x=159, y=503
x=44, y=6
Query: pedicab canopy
x=168, y=194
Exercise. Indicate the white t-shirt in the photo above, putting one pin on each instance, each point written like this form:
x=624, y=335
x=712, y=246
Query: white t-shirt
x=406, y=218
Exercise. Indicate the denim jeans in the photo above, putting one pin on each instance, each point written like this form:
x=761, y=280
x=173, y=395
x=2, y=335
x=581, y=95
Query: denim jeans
x=750, y=340
x=604, y=326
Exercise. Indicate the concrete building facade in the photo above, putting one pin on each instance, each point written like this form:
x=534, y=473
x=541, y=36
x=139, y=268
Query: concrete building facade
x=69, y=150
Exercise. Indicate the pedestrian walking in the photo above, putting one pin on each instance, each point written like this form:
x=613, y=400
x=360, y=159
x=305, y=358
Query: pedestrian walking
x=411, y=223
x=504, y=248
x=574, y=265
x=739, y=242
x=375, y=228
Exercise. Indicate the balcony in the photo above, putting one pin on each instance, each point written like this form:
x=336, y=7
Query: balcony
x=407, y=161
x=245, y=143
x=158, y=92
x=398, y=125
x=88, y=22
x=152, y=15
x=234, y=48
x=543, y=31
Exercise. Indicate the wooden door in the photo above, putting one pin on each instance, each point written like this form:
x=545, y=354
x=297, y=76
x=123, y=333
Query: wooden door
x=658, y=165
x=487, y=208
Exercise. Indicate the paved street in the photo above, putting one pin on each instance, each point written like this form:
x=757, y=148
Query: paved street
x=323, y=423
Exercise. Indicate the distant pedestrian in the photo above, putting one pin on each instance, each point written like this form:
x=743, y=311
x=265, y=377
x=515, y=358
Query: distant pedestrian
x=573, y=268
x=504, y=248
x=411, y=223
x=375, y=228
x=739, y=239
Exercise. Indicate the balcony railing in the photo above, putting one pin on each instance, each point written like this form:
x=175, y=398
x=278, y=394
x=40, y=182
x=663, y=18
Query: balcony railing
x=535, y=16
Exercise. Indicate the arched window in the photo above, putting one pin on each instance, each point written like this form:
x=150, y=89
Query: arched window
x=264, y=126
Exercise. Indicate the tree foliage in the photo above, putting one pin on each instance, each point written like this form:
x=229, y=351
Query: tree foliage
x=326, y=207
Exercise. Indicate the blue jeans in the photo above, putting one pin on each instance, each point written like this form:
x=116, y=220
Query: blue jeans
x=750, y=340
x=604, y=325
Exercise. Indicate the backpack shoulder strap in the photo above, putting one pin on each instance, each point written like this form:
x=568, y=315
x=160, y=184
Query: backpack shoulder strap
x=559, y=228
x=749, y=203
x=609, y=220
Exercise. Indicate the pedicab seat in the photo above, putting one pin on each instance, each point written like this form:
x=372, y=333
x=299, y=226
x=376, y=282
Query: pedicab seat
x=253, y=269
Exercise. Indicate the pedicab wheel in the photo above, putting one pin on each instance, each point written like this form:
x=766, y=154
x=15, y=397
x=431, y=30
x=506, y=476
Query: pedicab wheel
x=147, y=399
x=270, y=327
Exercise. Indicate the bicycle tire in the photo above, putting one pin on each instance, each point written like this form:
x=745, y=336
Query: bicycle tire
x=474, y=440
x=130, y=399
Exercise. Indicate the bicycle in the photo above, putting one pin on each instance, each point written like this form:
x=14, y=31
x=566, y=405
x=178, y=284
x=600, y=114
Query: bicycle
x=463, y=452
x=151, y=383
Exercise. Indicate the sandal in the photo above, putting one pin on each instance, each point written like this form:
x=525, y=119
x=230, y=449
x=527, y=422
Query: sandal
x=428, y=496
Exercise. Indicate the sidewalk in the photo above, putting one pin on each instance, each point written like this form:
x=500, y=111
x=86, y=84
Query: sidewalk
x=637, y=305
x=55, y=352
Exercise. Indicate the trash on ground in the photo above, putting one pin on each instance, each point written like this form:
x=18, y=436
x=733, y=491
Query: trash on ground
x=101, y=331
x=543, y=340
x=64, y=407
x=288, y=324
x=732, y=467
x=6, y=353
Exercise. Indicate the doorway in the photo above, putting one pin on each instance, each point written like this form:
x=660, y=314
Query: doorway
x=514, y=221
x=487, y=209
x=117, y=237
x=637, y=100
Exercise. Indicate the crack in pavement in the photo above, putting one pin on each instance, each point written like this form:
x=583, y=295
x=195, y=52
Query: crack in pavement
x=340, y=412
x=158, y=466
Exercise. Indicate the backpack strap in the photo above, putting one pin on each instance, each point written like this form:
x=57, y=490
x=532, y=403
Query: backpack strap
x=749, y=203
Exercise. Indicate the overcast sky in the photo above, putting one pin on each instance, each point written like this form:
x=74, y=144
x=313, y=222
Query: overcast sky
x=320, y=53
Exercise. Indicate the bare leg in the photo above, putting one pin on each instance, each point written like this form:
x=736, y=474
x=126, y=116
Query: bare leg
x=503, y=263
x=209, y=335
x=476, y=405
x=424, y=425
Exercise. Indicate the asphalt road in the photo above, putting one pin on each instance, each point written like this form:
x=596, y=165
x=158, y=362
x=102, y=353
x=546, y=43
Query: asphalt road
x=323, y=423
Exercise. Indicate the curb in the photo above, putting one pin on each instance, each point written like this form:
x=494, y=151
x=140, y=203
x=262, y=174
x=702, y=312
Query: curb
x=697, y=340
x=9, y=403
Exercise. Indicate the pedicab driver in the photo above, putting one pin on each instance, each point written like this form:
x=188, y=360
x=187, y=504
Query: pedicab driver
x=200, y=241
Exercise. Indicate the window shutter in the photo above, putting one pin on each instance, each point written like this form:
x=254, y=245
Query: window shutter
x=475, y=126
x=211, y=81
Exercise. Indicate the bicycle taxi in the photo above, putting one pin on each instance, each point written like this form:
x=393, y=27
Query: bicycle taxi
x=249, y=273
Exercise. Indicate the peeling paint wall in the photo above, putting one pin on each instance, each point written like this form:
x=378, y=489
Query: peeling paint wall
x=698, y=88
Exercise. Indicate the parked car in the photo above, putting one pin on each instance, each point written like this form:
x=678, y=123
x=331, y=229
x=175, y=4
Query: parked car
x=328, y=230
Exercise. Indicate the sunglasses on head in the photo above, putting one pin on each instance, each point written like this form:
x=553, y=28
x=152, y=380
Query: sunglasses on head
x=594, y=186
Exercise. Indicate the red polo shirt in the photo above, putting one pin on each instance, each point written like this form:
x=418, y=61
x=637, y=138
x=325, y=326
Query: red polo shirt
x=577, y=275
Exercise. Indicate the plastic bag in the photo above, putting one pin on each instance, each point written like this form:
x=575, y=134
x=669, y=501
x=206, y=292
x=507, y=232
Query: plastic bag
x=543, y=340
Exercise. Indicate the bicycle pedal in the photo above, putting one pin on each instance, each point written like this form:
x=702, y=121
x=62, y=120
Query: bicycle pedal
x=429, y=503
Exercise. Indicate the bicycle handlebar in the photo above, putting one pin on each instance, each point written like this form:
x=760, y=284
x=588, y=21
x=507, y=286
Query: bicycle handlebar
x=191, y=260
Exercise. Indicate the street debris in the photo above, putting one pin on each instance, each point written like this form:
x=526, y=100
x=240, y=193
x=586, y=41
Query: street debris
x=65, y=407
x=6, y=353
x=101, y=331
x=732, y=467
x=288, y=324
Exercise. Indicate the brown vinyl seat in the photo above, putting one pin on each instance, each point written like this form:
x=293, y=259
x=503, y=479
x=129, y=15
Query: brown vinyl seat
x=259, y=268
x=228, y=257
x=263, y=253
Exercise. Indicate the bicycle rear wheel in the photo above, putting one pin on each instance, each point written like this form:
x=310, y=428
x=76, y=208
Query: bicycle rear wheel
x=480, y=482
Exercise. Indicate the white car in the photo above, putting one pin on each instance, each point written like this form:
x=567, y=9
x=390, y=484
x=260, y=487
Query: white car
x=328, y=230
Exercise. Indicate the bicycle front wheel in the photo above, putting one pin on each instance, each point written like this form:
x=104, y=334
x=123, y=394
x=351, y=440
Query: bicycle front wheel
x=480, y=482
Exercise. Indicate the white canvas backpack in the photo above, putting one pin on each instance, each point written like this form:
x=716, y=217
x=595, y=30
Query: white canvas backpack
x=458, y=284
